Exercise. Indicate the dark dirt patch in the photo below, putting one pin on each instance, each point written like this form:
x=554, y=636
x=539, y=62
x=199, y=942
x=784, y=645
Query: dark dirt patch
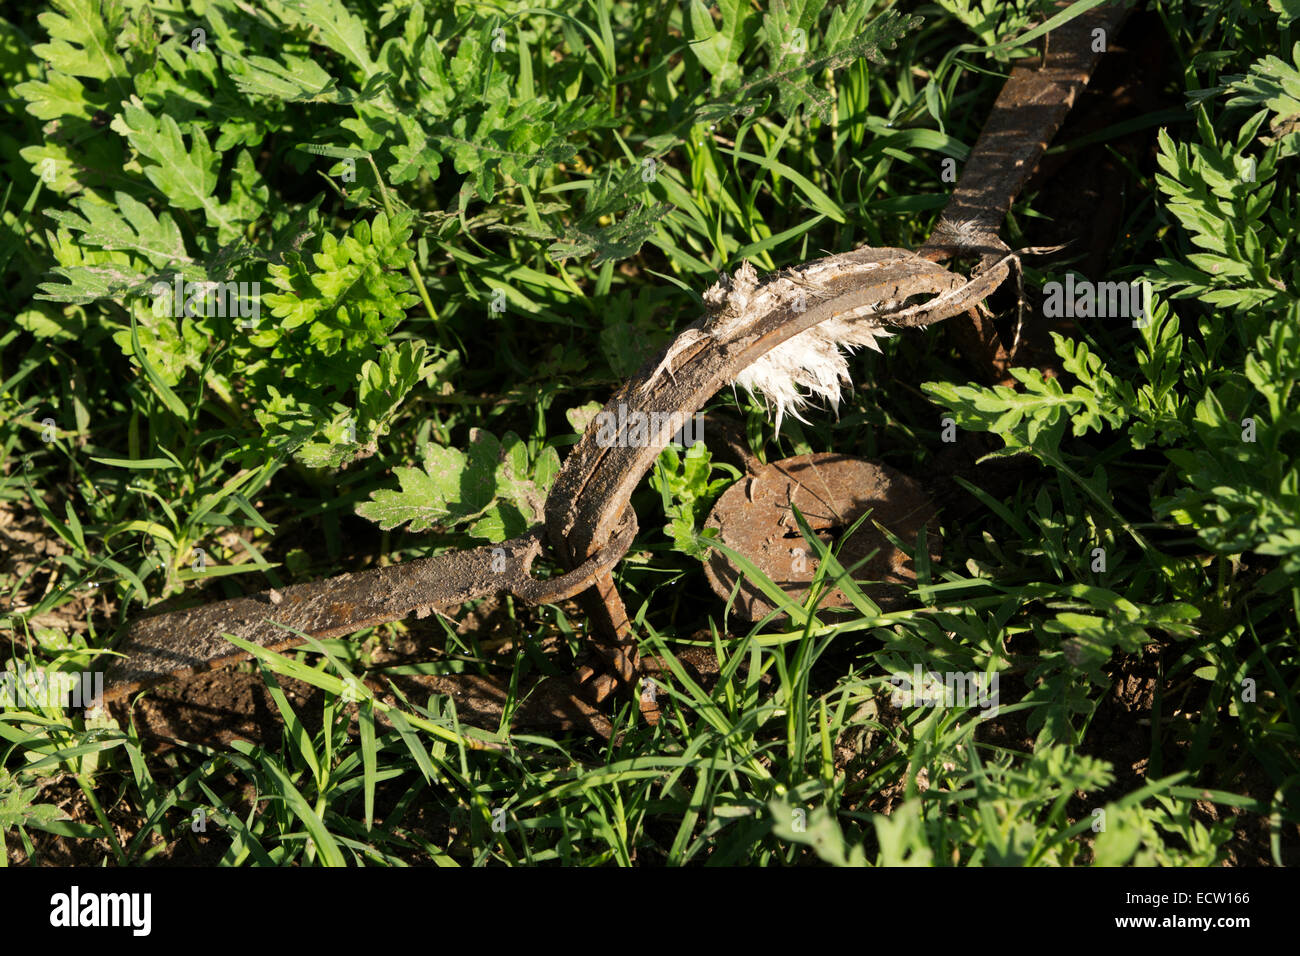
x=28, y=552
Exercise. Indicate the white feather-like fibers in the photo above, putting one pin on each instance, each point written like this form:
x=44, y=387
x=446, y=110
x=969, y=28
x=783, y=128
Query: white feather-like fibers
x=808, y=366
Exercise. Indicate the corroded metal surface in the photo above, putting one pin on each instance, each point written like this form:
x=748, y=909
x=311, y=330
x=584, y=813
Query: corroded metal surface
x=1025, y=117
x=755, y=517
x=185, y=642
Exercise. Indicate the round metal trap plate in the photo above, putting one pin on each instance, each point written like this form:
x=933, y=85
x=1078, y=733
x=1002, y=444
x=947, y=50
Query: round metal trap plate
x=831, y=491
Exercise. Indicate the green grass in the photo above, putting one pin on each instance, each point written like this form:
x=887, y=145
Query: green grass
x=567, y=199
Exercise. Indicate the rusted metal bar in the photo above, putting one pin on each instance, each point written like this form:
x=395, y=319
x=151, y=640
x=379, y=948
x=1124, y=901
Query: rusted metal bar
x=1025, y=118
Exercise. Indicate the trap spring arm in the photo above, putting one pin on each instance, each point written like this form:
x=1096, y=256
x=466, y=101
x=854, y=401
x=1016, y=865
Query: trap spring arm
x=188, y=641
x=1026, y=115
